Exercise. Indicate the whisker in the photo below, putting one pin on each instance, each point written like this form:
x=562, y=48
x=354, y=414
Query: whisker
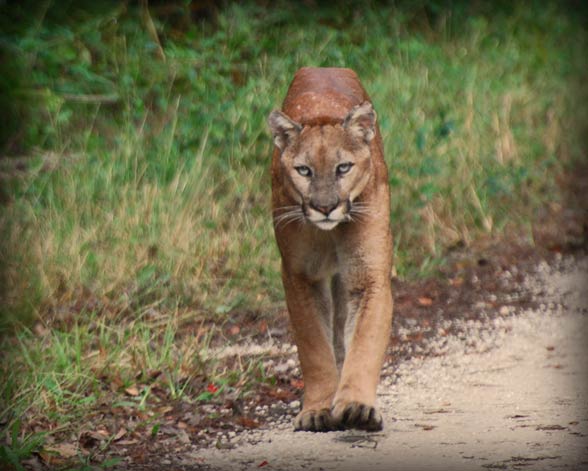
x=300, y=219
x=361, y=206
x=361, y=214
x=288, y=214
x=357, y=217
x=285, y=208
x=362, y=211
x=282, y=220
x=285, y=222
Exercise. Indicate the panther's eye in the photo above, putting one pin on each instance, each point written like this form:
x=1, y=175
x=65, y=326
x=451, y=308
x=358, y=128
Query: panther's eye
x=342, y=169
x=304, y=170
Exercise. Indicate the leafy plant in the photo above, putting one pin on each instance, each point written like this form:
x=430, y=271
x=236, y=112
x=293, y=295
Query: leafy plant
x=19, y=448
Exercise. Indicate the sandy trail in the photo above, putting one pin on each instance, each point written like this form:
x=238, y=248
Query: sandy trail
x=511, y=394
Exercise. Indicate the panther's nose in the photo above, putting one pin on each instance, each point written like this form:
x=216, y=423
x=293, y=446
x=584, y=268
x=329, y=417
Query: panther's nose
x=325, y=209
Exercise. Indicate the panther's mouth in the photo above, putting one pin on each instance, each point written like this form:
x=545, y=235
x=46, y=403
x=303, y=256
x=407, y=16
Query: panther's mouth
x=329, y=222
x=327, y=218
x=326, y=224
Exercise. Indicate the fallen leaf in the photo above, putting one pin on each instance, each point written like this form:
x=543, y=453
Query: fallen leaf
x=58, y=454
x=153, y=374
x=262, y=464
x=132, y=390
x=280, y=394
x=116, y=383
x=425, y=426
x=425, y=301
x=550, y=427
x=66, y=450
x=40, y=329
x=297, y=383
x=437, y=411
x=127, y=442
x=183, y=437
x=51, y=459
x=165, y=409
x=121, y=433
x=247, y=422
x=416, y=337
x=456, y=282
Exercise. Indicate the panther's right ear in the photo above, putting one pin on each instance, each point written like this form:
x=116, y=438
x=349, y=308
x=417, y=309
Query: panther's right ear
x=283, y=129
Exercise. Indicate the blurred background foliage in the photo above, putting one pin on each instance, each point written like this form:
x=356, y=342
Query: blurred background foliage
x=134, y=149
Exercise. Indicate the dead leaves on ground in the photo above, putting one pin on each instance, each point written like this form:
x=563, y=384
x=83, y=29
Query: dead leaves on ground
x=58, y=455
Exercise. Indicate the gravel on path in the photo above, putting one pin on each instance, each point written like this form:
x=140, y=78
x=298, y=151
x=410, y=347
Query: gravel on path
x=507, y=394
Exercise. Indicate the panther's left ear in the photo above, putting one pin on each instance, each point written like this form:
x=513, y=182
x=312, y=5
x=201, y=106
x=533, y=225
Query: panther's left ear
x=361, y=122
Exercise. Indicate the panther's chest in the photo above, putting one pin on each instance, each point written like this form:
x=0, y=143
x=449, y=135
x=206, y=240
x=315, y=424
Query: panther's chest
x=319, y=257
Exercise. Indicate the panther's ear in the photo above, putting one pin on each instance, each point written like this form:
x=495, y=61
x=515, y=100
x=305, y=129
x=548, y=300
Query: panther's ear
x=361, y=122
x=284, y=130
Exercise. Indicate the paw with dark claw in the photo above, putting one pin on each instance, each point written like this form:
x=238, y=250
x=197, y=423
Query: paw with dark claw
x=355, y=415
x=314, y=421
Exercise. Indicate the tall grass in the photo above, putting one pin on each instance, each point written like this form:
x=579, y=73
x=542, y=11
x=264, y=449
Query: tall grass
x=152, y=152
x=137, y=183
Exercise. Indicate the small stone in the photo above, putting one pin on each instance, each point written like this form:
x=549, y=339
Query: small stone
x=295, y=405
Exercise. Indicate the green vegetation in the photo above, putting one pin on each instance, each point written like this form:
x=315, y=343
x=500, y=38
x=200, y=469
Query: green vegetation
x=134, y=185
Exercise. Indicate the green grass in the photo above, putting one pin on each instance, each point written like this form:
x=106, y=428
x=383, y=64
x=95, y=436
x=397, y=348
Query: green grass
x=136, y=196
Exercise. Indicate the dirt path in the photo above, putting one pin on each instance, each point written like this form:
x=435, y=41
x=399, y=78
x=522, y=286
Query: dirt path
x=509, y=393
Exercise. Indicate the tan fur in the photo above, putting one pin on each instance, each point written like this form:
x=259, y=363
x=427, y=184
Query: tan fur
x=331, y=222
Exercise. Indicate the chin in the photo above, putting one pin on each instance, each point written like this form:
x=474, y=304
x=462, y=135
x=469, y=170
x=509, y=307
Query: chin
x=326, y=225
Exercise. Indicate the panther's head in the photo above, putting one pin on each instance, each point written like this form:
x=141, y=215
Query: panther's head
x=325, y=167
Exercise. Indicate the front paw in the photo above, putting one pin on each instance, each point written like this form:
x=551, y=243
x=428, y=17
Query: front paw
x=314, y=421
x=356, y=415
